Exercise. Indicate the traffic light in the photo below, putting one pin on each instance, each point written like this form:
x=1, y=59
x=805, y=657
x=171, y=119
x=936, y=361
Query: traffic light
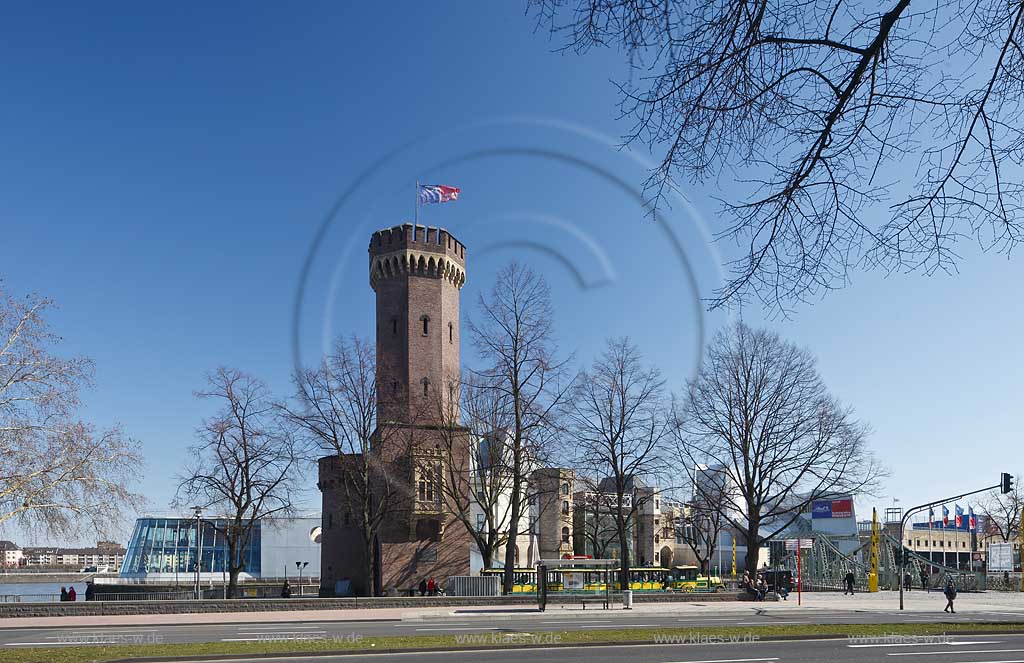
x=1007, y=483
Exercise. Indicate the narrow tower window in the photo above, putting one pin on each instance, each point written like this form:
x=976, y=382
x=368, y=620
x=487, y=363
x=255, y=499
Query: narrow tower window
x=451, y=332
x=394, y=325
x=426, y=387
x=426, y=324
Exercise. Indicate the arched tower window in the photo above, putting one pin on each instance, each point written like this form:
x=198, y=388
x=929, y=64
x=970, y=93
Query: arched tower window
x=565, y=535
x=426, y=485
x=565, y=489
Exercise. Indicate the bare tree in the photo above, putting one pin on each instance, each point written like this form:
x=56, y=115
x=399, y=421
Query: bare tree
x=819, y=110
x=477, y=472
x=618, y=422
x=594, y=518
x=706, y=519
x=1003, y=512
x=59, y=476
x=759, y=413
x=513, y=335
x=244, y=464
x=336, y=410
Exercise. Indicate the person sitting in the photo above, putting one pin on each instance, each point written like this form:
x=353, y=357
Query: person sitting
x=762, y=588
x=782, y=588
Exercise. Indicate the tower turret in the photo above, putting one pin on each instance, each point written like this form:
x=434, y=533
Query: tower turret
x=416, y=273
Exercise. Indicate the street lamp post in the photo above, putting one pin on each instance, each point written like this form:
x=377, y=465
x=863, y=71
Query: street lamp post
x=299, y=566
x=198, y=511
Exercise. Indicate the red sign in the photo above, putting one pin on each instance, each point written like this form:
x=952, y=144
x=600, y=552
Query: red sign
x=842, y=508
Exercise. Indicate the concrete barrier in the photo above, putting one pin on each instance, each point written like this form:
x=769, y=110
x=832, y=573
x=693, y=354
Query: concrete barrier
x=99, y=608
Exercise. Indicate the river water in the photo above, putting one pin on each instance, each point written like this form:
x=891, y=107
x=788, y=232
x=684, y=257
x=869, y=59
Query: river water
x=37, y=591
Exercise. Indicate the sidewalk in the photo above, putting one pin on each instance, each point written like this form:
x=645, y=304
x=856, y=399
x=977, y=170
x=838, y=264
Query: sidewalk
x=881, y=602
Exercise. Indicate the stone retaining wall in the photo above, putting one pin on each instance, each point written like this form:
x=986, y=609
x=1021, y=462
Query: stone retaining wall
x=94, y=608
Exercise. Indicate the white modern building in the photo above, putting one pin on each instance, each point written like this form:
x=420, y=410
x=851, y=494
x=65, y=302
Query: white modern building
x=166, y=549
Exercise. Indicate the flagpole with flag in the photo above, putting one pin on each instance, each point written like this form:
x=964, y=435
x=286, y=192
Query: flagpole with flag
x=931, y=541
x=416, y=214
x=427, y=194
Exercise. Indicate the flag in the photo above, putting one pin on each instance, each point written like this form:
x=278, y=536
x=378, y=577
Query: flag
x=959, y=516
x=945, y=516
x=437, y=193
x=931, y=516
x=972, y=523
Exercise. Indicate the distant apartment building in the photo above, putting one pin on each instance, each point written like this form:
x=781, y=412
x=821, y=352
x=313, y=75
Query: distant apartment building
x=106, y=554
x=12, y=554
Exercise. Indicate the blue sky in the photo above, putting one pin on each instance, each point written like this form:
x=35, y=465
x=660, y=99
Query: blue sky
x=166, y=169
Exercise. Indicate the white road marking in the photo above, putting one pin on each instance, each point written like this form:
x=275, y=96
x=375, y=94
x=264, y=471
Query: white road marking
x=772, y=623
x=462, y=628
x=728, y=660
x=615, y=626
x=709, y=619
x=285, y=637
x=595, y=621
x=54, y=644
x=951, y=653
x=928, y=644
x=302, y=632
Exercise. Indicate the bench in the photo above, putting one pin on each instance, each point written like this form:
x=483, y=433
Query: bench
x=605, y=602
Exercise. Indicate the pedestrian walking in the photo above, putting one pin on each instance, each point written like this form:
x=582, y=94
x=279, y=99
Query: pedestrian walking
x=924, y=580
x=286, y=590
x=950, y=593
x=63, y=593
x=906, y=581
x=72, y=594
x=849, y=578
x=431, y=587
x=90, y=591
x=423, y=586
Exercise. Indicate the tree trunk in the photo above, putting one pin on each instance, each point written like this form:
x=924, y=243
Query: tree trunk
x=753, y=545
x=368, y=550
x=513, y=533
x=620, y=525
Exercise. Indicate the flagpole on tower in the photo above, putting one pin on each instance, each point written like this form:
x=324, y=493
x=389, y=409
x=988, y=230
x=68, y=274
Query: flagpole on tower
x=416, y=214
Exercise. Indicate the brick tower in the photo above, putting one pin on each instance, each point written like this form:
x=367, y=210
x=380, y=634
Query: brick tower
x=417, y=273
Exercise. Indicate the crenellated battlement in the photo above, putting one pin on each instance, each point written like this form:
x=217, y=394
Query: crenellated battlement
x=423, y=238
x=418, y=250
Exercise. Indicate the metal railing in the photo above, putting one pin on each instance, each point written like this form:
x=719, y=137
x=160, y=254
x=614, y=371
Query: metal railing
x=29, y=598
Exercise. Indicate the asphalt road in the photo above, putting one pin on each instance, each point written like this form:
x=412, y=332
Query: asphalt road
x=482, y=623
x=972, y=649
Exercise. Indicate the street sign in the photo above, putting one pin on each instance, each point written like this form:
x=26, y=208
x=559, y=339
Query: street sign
x=793, y=544
x=1000, y=557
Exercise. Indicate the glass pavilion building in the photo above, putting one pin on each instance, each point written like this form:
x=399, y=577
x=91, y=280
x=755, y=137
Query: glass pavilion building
x=164, y=548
